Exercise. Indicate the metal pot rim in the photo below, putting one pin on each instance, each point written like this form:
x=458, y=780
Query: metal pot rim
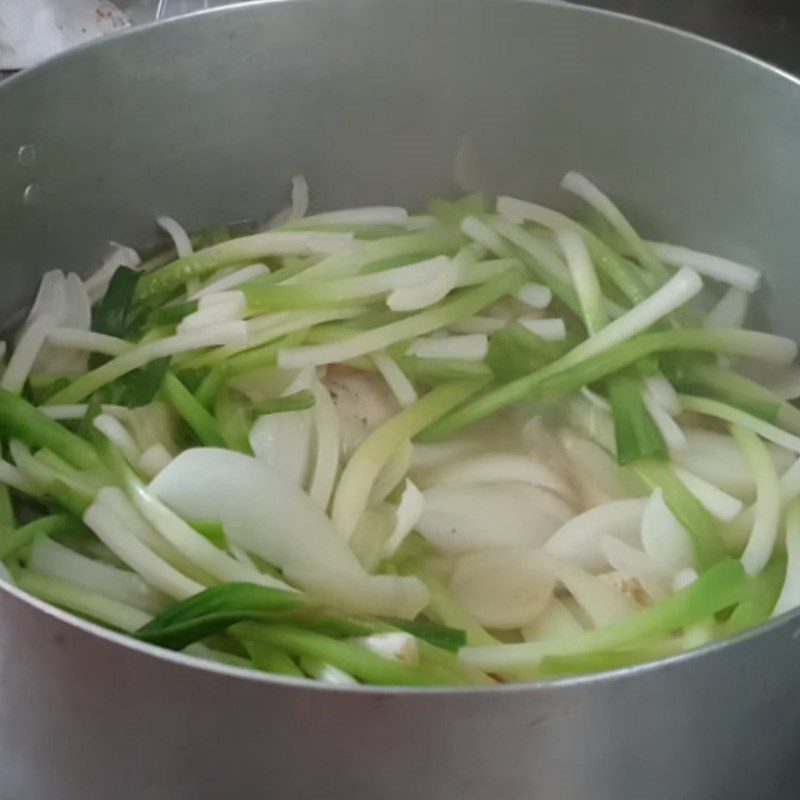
x=785, y=621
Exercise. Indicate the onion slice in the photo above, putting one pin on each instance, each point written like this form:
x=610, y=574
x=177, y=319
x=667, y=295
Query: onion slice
x=268, y=515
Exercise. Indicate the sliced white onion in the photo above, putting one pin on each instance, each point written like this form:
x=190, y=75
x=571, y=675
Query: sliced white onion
x=686, y=577
x=50, y=298
x=598, y=476
x=300, y=197
x=196, y=549
x=714, y=456
x=462, y=517
x=283, y=441
x=555, y=622
x=327, y=437
x=468, y=347
x=580, y=539
x=767, y=516
x=70, y=308
x=504, y=588
x=363, y=402
x=534, y=295
x=176, y=232
x=407, y=515
x=240, y=554
x=396, y=379
x=271, y=517
x=78, y=311
x=603, y=603
x=632, y=563
x=498, y=468
x=120, y=256
x=552, y=329
x=664, y=539
x=721, y=504
x=589, y=420
x=299, y=207
x=392, y=473
x=372, y=531
x=738, y=531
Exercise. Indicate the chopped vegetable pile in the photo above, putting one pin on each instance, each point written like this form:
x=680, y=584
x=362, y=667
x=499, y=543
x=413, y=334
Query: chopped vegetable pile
x=460, y=448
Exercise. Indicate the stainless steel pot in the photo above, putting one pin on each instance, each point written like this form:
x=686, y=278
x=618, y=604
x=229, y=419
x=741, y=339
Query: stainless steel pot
x=206, y=119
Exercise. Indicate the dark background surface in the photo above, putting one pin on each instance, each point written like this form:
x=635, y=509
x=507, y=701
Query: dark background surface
x=769, y=29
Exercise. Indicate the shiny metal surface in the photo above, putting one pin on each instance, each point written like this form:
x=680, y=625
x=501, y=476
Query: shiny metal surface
x=378, y=101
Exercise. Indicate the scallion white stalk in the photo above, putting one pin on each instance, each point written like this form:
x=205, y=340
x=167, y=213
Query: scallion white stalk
x=719, y=410
x=721, y=269
x=466, y=347
x=581, y=186
x=133, y=552
x=584, y=278
x=681, y=288
x=534, y=295
x=30, y=343
x=395, y=378
x=88, y=340
x=225, y=333
x=552, y=329
x=231, y=281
